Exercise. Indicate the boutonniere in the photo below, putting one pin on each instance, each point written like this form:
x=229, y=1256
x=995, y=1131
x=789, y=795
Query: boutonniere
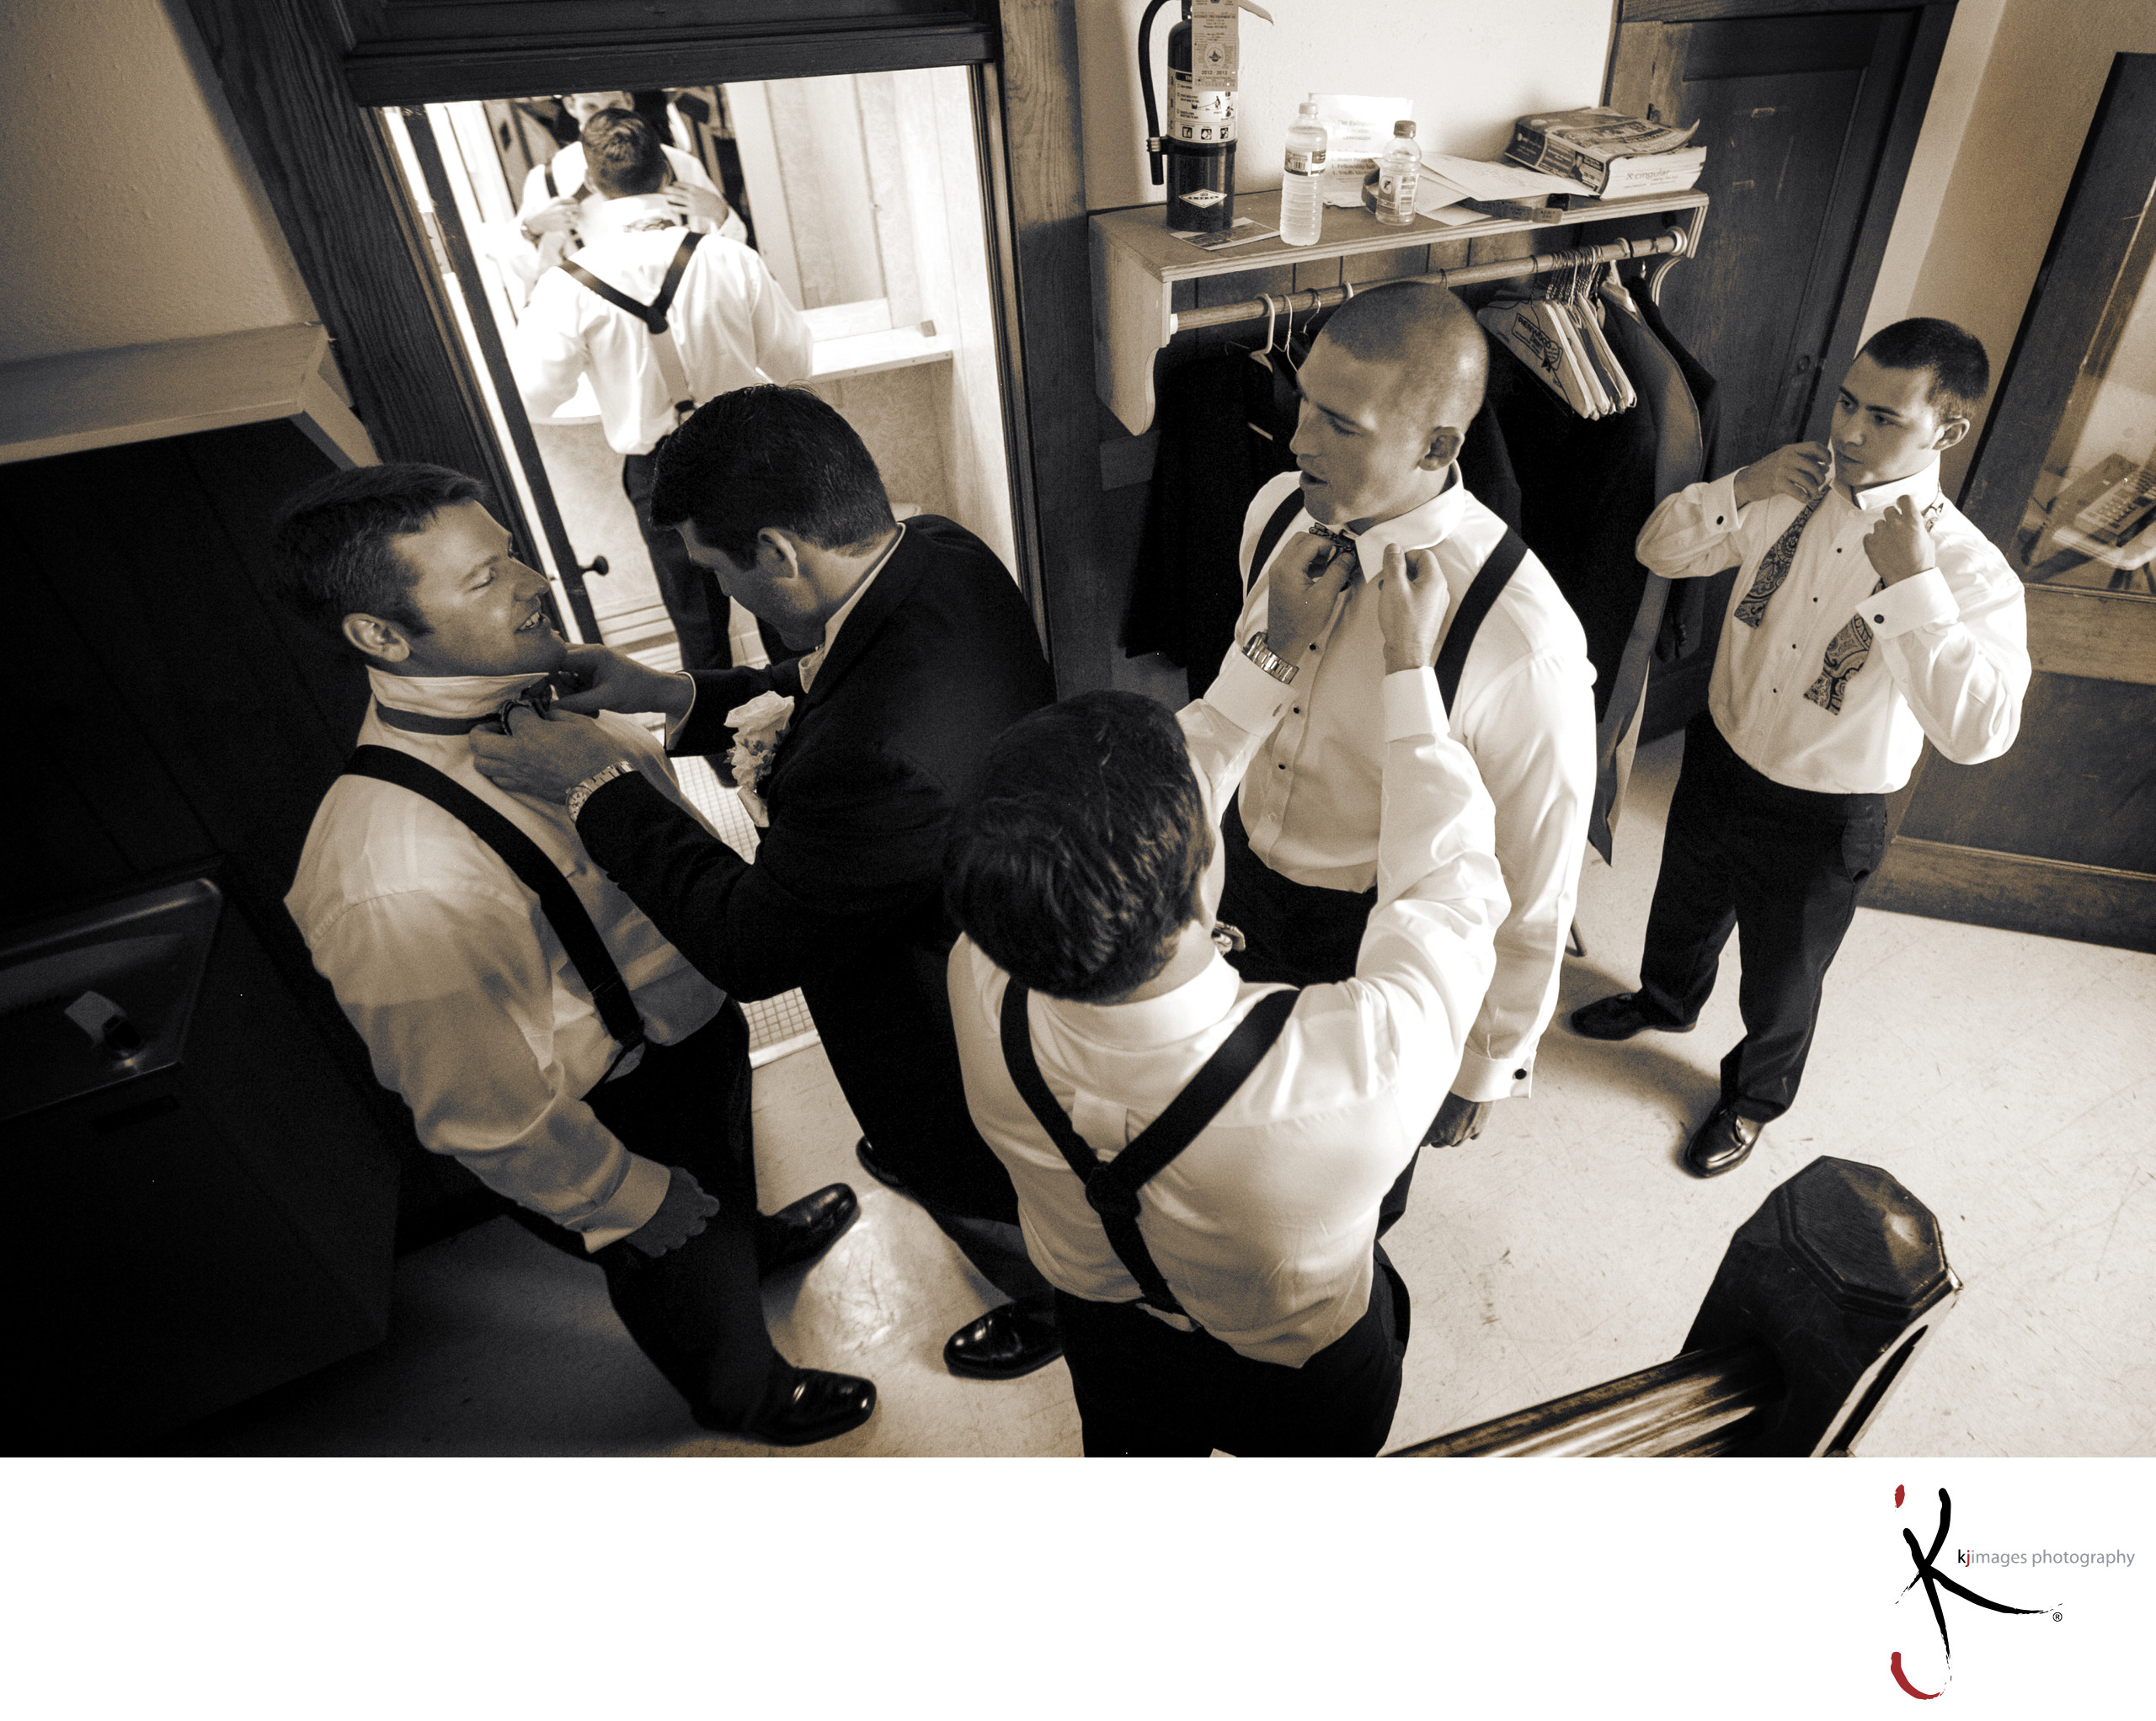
x=758, y=728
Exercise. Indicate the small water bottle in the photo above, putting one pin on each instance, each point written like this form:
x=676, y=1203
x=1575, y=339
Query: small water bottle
x=1302, y=180
x=1400, y=168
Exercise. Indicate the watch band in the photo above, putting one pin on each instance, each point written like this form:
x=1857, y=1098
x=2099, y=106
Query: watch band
x=591, y=784
x=1261, y=654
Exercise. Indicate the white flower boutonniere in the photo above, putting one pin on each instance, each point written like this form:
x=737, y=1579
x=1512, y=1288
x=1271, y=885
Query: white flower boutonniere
x=758, y=728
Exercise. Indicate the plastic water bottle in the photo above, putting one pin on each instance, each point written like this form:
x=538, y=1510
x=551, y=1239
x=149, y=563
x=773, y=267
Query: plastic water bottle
x=1302, y=177
x=1400, y=169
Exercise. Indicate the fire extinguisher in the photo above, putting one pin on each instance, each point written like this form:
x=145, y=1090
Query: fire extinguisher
x=1199, y=139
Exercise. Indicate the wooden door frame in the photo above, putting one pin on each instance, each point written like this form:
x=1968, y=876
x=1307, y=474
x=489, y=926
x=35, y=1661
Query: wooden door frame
x=300, y=77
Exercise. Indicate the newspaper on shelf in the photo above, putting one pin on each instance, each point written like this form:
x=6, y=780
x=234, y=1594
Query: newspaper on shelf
x=1611, y=154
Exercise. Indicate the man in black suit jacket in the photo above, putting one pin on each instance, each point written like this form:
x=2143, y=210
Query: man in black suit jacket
x=918, y=652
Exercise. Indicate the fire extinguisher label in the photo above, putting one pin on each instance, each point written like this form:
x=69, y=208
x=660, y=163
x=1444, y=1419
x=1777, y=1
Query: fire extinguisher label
x=1213, y=46
x=1200, y=116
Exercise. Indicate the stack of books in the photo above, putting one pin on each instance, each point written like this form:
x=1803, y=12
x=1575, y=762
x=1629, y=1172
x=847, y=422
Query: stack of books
x=1607, y=154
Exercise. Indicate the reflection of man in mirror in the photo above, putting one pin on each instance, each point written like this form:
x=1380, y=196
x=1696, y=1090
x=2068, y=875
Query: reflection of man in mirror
x=726, y=325
x=1869, y=616
x=549, y=215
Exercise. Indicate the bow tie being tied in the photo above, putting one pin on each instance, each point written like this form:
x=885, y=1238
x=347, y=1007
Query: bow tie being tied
x=1342, y=544
x=537, y=699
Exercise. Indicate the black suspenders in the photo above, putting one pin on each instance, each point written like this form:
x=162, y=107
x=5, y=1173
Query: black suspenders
x=1111, y=1188
x=587, y=950
x=652, y=317
x=1489, y=583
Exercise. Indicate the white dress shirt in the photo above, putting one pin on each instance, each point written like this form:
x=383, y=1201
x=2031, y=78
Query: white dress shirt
x=1263, y=1226
x=1525, y=711
x=1949, y=653
x=452, y=974
x=528, y=260
x=732, y=323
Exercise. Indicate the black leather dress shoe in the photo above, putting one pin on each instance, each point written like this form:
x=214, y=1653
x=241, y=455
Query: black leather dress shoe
x=1002, y=1344
x=803, y=1229
x=801, y=1406
x=1723, y=1143
x=881, y=1172
x=1619, y=1018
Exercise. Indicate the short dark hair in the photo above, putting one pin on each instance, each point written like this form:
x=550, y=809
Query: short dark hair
x=335, y=556
x=1961, y=372
x=623, y=155
x=1423, y=327
x=769, y=456
x=1080, y=855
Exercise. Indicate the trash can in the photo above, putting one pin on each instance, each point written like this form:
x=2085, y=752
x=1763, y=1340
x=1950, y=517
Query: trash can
x=203, y=1207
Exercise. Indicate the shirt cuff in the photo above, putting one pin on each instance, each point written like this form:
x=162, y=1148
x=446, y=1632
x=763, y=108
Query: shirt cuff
x=1245, y=694
x=673, y=724
x=1413, y=705
x=634, y=1202
x=1922, y=601
x=1493, y=1079
x=1718, y=508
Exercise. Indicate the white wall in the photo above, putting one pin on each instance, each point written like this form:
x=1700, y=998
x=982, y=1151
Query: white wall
x=131, y=211
x=1472, y=66
x=2045, y=73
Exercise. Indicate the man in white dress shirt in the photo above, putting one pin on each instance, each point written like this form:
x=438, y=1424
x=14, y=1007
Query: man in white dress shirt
x=1388, y=390
x=730, y=322
x=1868, y=615
x=621, y=1134
x=1229, y=1295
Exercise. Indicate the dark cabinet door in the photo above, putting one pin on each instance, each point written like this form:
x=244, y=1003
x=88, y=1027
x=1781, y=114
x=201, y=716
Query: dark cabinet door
x=2059, y=835
x=1809, y=121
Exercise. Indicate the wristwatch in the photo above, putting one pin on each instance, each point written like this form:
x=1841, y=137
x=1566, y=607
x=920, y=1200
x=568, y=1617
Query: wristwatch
x=591, y=784
x=1260, y=653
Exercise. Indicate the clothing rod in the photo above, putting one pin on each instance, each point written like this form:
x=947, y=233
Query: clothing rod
x=1668, y=243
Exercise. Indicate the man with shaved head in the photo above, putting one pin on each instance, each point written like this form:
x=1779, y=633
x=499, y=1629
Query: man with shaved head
x=1388, y=392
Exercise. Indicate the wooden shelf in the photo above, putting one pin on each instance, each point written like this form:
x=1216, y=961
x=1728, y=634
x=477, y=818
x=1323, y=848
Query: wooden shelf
x=140, y=394
x=1136, y=262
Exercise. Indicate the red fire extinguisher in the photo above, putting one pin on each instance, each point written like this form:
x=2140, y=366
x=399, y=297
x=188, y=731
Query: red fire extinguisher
x=1199, y=139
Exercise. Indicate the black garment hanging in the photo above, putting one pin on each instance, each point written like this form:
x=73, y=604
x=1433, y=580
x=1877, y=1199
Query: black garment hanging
x=563, y=908
x=1684, y=621
x=1111, y=1187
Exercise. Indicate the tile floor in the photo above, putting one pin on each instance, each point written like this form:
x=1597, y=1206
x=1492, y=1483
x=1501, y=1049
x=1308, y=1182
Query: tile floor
x=2009, y=1081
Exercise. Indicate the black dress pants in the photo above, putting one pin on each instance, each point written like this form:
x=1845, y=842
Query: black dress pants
x=1297, y=935
x=1146, y=1390
x=1782, y=866
x=691, y=595
x=697, y=1311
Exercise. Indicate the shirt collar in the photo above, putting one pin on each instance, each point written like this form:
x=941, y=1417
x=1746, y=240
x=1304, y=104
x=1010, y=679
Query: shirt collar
x=1191, y=1009
x=815, y=659
x=446, y=696
x=624, y=215
x=1921, y=486
x=1417, y=529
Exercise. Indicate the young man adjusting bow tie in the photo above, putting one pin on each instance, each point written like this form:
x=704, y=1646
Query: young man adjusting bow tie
x=1868, y=616
x=1388, y=392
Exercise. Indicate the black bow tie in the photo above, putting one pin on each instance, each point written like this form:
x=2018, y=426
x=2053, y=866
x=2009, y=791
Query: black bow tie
x=1343, y=544
x=538, y=699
